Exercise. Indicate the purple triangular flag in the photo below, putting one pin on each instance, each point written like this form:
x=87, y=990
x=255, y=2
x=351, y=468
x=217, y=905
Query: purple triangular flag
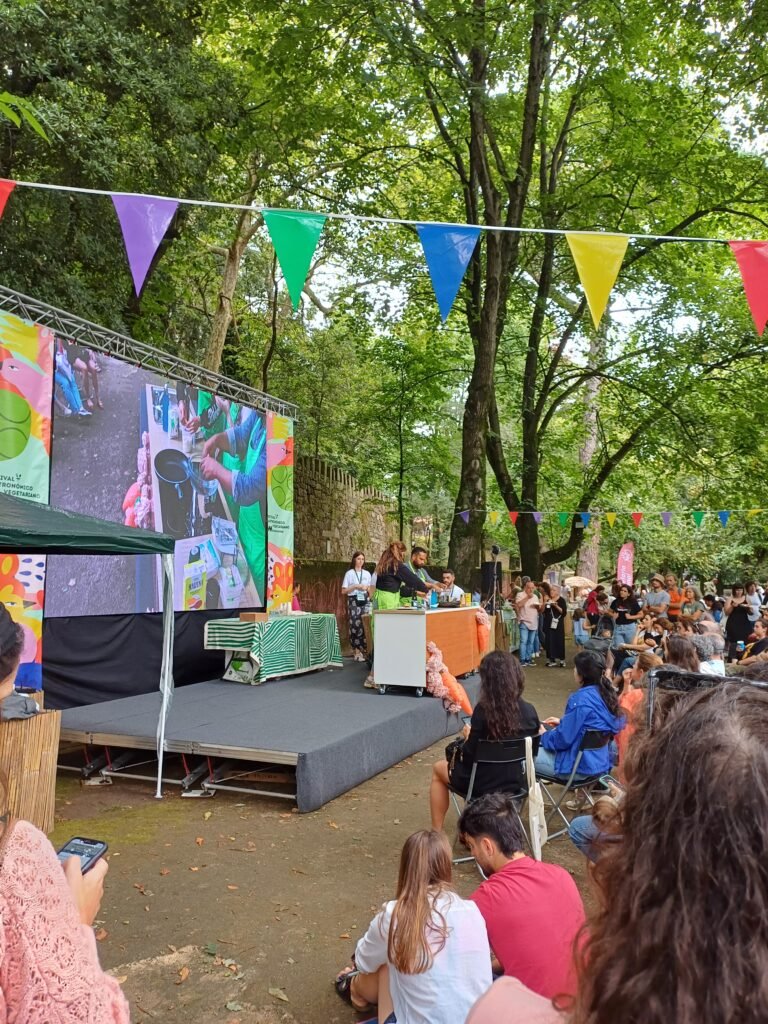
x=723, y=517
x=143, y=221
x=538, y=516
x=666, y=518
x=448, y=249
x=465, y=517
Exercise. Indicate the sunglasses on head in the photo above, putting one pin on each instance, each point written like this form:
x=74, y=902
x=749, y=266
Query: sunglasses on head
x=668, y=679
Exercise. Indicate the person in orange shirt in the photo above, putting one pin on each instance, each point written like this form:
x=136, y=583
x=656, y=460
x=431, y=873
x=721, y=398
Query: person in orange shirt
x=675, y=597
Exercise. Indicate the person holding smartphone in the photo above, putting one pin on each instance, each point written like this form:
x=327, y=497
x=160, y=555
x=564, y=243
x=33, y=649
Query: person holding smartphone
x=49, y=966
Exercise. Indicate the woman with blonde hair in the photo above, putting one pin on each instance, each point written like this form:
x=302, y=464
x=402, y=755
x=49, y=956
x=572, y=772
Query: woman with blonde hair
x=425, y=958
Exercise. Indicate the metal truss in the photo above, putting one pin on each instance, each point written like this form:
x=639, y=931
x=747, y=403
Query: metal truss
x=73, y=328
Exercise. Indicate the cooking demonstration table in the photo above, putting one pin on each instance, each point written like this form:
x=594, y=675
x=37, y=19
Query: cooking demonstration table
x=282, y=645
x=401, y=638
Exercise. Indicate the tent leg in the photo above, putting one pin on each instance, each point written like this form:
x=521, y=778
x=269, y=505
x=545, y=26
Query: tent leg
x=166, y=670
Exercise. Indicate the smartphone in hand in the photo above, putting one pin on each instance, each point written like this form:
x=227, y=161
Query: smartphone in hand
x=88, y=850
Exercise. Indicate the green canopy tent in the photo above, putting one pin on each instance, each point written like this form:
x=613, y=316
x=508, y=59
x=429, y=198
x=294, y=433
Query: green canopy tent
x=27, y=527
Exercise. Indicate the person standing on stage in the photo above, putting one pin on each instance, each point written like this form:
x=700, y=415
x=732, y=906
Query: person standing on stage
x=451, y=592
x=417, y=566
x=392, y=573
x=356, y=587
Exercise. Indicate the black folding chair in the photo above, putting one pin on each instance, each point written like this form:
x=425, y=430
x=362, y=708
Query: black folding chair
x=591, y=740
x=497, y=752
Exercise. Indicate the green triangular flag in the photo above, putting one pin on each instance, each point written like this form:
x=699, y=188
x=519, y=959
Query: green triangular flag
x=563, y=518
x=294, y=236
x=698, y=517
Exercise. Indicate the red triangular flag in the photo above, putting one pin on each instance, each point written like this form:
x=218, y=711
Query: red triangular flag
x=637, y=518
x=6, y=187
x=752, y=258
x=513, y=517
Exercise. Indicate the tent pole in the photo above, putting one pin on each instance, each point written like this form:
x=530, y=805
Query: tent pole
x=166, y=669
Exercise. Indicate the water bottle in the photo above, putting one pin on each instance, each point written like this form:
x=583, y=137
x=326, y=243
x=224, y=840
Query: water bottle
x=740, y=646
x=433, y=599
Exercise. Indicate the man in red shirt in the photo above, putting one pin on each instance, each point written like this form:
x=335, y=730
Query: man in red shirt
x=675, y=597
x=533, y=911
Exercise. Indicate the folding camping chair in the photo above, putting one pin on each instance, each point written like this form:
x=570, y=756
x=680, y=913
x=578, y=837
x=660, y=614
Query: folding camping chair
x=591, y=740
x=496, y=752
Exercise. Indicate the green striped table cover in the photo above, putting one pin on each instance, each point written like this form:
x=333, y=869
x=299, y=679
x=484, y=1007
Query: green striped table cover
x=284, y=645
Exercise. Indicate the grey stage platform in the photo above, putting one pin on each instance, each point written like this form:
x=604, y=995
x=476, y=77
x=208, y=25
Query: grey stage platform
x=334, y=731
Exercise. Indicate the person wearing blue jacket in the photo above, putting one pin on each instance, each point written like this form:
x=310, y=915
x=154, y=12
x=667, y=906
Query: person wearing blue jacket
x=593, y=706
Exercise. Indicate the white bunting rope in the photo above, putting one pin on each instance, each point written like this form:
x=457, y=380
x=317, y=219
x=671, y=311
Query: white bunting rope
x=366, y=218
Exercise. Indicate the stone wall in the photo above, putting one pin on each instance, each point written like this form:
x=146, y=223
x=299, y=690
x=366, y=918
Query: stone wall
x=334, y=516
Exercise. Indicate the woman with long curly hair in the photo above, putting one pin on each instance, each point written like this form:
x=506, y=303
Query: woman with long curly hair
x=500, y=714
x=680, y=933
x=594, y=706
x=425, y=957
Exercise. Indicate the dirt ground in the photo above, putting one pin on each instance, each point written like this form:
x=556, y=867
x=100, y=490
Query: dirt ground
x=240, y=909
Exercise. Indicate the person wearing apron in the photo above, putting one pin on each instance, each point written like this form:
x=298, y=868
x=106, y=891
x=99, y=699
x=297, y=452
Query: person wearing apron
x=243, y=479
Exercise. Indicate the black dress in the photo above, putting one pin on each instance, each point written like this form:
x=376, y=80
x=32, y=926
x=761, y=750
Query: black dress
x=737, y=628
x=554, y=635
x=493, y=778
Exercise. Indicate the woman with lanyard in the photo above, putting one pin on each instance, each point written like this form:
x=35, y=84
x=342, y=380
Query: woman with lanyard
x=356, y=587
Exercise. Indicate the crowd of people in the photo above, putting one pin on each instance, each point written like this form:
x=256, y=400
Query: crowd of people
x=675, y=835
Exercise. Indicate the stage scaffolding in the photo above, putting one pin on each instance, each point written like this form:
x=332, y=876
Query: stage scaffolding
x=111, y=343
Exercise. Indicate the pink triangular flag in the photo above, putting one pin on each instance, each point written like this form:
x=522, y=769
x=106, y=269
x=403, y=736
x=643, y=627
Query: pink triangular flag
x=752, y=258
x=143, y=221
x=6, y=187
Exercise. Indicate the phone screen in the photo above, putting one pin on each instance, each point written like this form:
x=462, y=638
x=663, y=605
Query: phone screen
x=88, y=850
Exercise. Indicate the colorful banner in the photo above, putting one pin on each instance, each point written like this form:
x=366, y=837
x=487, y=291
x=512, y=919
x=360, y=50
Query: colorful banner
x=26, y=376
x=279, y=510
x=585, y=518
x=295, y=236
x=598, y=258
x=752, y=258
x=698, y=517
x=513, y=516
x=666, y=518
x=447, y=250
x=143, y=221
x=6, y=187
x=625, y=564
x=610, y=518
x=723, y=517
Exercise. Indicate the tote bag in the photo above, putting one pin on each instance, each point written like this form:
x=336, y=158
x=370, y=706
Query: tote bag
x=537, y=818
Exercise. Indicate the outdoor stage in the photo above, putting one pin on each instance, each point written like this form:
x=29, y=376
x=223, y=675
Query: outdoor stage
x=326, y=727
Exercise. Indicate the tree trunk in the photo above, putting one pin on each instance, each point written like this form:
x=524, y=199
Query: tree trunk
x=589, y=553
x=222, y=317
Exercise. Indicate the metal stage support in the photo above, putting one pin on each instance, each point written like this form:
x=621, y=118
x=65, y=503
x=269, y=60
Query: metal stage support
x=111, y=343
x=211, y=774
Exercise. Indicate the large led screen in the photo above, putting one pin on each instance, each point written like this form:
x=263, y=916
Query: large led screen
x=131, y=447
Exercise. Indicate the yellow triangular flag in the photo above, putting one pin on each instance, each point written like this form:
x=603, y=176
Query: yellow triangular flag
x=754, y=512
x=494, y=517
x=610, y=518
x=598, y=259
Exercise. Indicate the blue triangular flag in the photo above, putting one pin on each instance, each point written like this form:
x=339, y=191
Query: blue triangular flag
x=585, y=517
x=723, y=517
x=448, y=250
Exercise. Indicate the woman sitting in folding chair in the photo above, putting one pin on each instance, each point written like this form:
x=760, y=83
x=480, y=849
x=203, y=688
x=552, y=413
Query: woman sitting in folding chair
x=500, y=714
x=594, y=707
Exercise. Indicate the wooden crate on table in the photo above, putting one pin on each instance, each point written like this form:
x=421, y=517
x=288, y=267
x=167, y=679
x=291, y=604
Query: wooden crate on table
x=29, y=750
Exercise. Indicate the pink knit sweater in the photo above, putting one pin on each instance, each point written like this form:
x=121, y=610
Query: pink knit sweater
x=49, y=967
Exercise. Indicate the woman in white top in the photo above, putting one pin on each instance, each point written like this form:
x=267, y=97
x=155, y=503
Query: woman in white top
x=356, y=587
x=425, y=958
x=753, y=600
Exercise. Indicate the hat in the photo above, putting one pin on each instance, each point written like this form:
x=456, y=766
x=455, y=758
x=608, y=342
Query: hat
x=659, y=577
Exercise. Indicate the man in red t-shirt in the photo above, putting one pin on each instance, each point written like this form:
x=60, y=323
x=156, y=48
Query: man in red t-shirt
x=532, y=910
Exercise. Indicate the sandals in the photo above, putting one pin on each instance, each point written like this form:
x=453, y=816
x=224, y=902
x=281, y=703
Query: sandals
x=343, y=986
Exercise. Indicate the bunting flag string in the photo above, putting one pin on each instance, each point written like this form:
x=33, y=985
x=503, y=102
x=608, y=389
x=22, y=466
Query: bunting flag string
x=447, y=246
x=584, y=519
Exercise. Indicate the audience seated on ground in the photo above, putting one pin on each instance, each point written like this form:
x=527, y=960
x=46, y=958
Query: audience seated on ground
x=425, y=957
x=679, y=651
x=49, y=967
x=679, y=931
x=500, y=714
x=532, y=910
x=593, y=706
